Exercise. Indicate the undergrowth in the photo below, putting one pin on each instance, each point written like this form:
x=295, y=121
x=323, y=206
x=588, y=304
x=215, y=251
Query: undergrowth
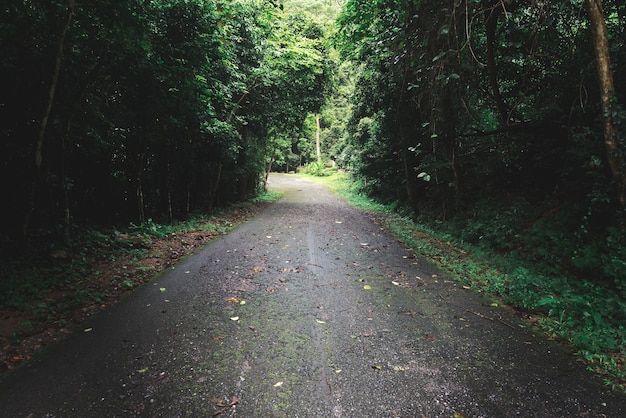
x=27, y=283
x=538, y=268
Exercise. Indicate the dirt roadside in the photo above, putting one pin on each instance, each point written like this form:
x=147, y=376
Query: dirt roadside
x=308, y=310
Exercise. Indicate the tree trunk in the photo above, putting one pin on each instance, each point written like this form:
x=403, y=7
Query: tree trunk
x=216, y=185
x=140, y=207
x=268, y=171
x=44, y=122
x=317, y=139
x=607, y=91
x=491, y=24
x=170, y=211
x=65, y=189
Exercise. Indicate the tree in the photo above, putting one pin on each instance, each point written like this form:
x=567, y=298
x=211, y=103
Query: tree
x=614, y=152
x=160, y=108
x=44, y=119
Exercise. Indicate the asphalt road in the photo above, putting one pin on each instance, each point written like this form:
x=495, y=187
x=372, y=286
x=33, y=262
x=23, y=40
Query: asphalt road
x=309, y=310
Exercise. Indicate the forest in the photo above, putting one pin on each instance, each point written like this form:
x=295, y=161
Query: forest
x=118, y=112
x=494, y=124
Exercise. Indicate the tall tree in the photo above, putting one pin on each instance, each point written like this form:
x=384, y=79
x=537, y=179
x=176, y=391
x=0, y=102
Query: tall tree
x=614, y=152
x=43, y=124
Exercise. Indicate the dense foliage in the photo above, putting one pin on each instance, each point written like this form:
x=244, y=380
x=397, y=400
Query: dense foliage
x=123, y=111
x=462, y=108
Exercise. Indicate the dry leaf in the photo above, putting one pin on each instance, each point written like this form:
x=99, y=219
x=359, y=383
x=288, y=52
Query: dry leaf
x=429, y=337
x=278, y=384
x=234, y=401
x=232, y=300
x=219, y=402
x=219, y=412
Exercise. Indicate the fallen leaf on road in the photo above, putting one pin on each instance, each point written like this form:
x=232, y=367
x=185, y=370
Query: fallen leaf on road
x=232, y=300
x=219, y=412
x=162, y=289
x=320, y=322
x=243, y=302
x=234, y=401
x=412, y=313
x=429, y=337
x=367, y=287
x=395, y=283
x=219, y=402
x=218, y=338
x=145, y=369
x=278, y=384
x=88, y=329
x=252, y=327
x=234, y=318
x=377, y=367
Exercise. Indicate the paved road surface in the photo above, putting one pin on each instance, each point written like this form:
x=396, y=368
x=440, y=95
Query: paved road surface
x=339, y=320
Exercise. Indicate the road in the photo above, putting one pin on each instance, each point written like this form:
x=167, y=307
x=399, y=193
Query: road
x=308, y=310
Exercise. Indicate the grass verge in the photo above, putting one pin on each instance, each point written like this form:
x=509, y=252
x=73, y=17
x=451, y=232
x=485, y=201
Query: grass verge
x=588, y=317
